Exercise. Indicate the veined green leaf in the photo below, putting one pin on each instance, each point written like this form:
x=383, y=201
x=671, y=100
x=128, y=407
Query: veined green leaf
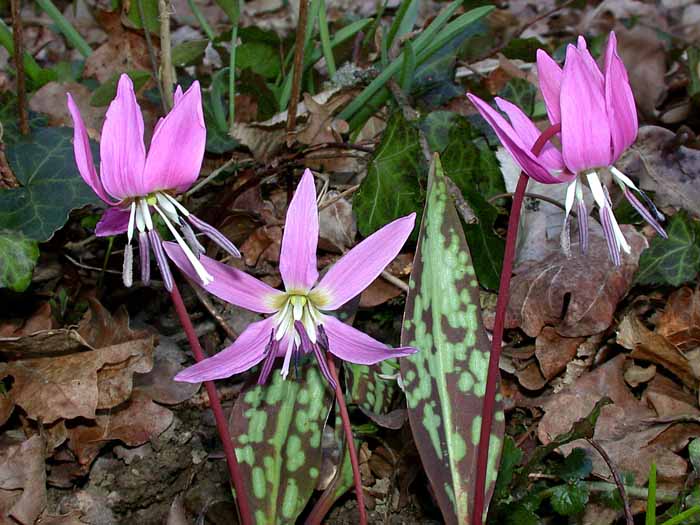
x=18, y=257
x=445, y=380
x=276, y=430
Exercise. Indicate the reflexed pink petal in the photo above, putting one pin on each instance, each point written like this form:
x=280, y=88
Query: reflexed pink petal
x=516, y=146
x=300, y=239
x=619, y=101
x=585, y=133
x=354, y=346
x=177, y=148
x=122, y=153
x=113, y=222
x=549, y=75
x=231, y=285
x=83, y=154
x=356, y=270
x=246, y=352
x=590, y=62
x=529, y=133
x=177, y=96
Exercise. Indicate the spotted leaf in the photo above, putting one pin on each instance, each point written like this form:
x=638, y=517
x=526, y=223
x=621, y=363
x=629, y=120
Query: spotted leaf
x=445, y=380
x=276, y=430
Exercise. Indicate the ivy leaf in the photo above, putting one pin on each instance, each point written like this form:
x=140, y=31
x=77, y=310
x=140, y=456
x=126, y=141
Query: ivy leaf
x=392, y=187
x=577, y=465
x=51, y=186
x=521, y=93
x=18, y=257
x=569, y=499
x=675, y=260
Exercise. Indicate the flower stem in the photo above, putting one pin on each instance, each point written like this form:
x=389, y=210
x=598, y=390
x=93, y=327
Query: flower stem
x=167, y=73
x=221, y=423
x=489, y=405
x=19, y=67
x=349, y=440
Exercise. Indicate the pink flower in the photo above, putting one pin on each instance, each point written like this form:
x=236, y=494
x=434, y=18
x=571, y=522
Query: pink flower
x=135, y=184
x=598, y=120
x=298, y=321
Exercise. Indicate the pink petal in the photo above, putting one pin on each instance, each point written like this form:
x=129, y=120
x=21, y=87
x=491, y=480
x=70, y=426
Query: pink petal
x=231, y=285
x=349, y=344
x=360, y=266
x=113, y=222
x=177, y=96
x=585, y=133
x=619, y=101
x=83, y=154
x=549, y=74
x=246, y=352
x=516, y=146
x=529, y=133
x=298, y=253
x=590, y=62
x=177, y=148
x=122, y=153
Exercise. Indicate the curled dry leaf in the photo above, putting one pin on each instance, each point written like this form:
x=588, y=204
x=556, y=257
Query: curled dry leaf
x=158, y=384
x=669, y=400
x=554, y=352
x=577, y=296
x=22, y=468
x=665, y=168
x=652, y=347
x=337, y=226
x=680, y=321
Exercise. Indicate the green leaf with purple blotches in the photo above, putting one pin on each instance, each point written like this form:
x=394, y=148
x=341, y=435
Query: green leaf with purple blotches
x=446, y=379
x=277, y=430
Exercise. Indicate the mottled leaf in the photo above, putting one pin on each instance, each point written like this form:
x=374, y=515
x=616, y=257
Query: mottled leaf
x=521, y=93
x=569, y=499
x=445, y=380
x=277, y=434
x=392, y=187
x=675, y=260
x=577, y=465
x=373, y=389
x=17, y=259
x=50, y=184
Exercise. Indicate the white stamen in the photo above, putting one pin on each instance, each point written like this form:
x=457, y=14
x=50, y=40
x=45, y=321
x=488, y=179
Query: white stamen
x=146, y=214
x=570, y=194
x=597, y=189
x=287, y=358
x=202, y=273
x=140, y=222
x=132, y=216
x=623, y=178
x=309, y=325
x=177, y=204
x=298, y=303
x=579, y=190
x=619, y=236
x=168, y=208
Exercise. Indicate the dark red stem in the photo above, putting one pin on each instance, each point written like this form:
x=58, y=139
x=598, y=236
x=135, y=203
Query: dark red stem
x=349, y=440
x=499, y=321
x=246, y=518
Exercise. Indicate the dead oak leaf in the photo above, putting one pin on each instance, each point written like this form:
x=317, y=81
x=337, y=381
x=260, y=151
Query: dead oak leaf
x=22, y=468
x=680, y=321
x=577, y=296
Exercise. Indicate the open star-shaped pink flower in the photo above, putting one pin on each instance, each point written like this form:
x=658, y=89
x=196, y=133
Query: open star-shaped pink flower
x=298, y=321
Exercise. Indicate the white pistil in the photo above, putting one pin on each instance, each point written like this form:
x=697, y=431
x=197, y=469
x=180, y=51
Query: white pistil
x=570, y=194
x=287, y=358
x=168, y=208
x=132, y=217
x=145, y=214
x=619, y=236
x=202, y=273
x=597, y=189
x=177, y=204
x=621, y=177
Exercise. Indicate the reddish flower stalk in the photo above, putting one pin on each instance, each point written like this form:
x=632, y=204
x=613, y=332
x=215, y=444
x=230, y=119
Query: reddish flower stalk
x=246, y=518
x=498, y=326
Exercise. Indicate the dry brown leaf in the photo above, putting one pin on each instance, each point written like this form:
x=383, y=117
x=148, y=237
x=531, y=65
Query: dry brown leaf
x=531, y=377
x=133, y=424
x=680, y=321
x=264, y=243
x=577, y=296
x=72, y=518
x=123, y=51
x=6, y=408
x=22, y=468
x=554, y=352
x=50, y=99
x=668, y=400
x=636, y=375
x=378, y=292
x=337, y=227
x=652, y=347
x=159, y=385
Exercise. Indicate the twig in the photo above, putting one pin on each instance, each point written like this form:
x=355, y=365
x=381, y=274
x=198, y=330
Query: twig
x=232, y=78
x=544, y=198
x=629, y=518
x=297, y=72
x=206, y=180
x=333, y=200
x=395, y=281
x=151, y=53
x=201, y=19
x=166, y=59
x=88, y=267
x=206, y=302
x=19, y=67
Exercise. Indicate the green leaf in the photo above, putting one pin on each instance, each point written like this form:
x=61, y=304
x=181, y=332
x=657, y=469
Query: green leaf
x=277, y=431
x=51, y=186
x=10, y=125
x=150, y=12
x=511, y=456
x=189, y=52
x=392, y=187
x=445, y=380
x=104, y=94
x=522, y=49
x=18, y=257
x=693, y=63
x=694, y=454
x=373, y=389
x=577, y=465
x=521, y=515
x=259, y=57
x=570, y=499
x=675, y=260
x=521, y=93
